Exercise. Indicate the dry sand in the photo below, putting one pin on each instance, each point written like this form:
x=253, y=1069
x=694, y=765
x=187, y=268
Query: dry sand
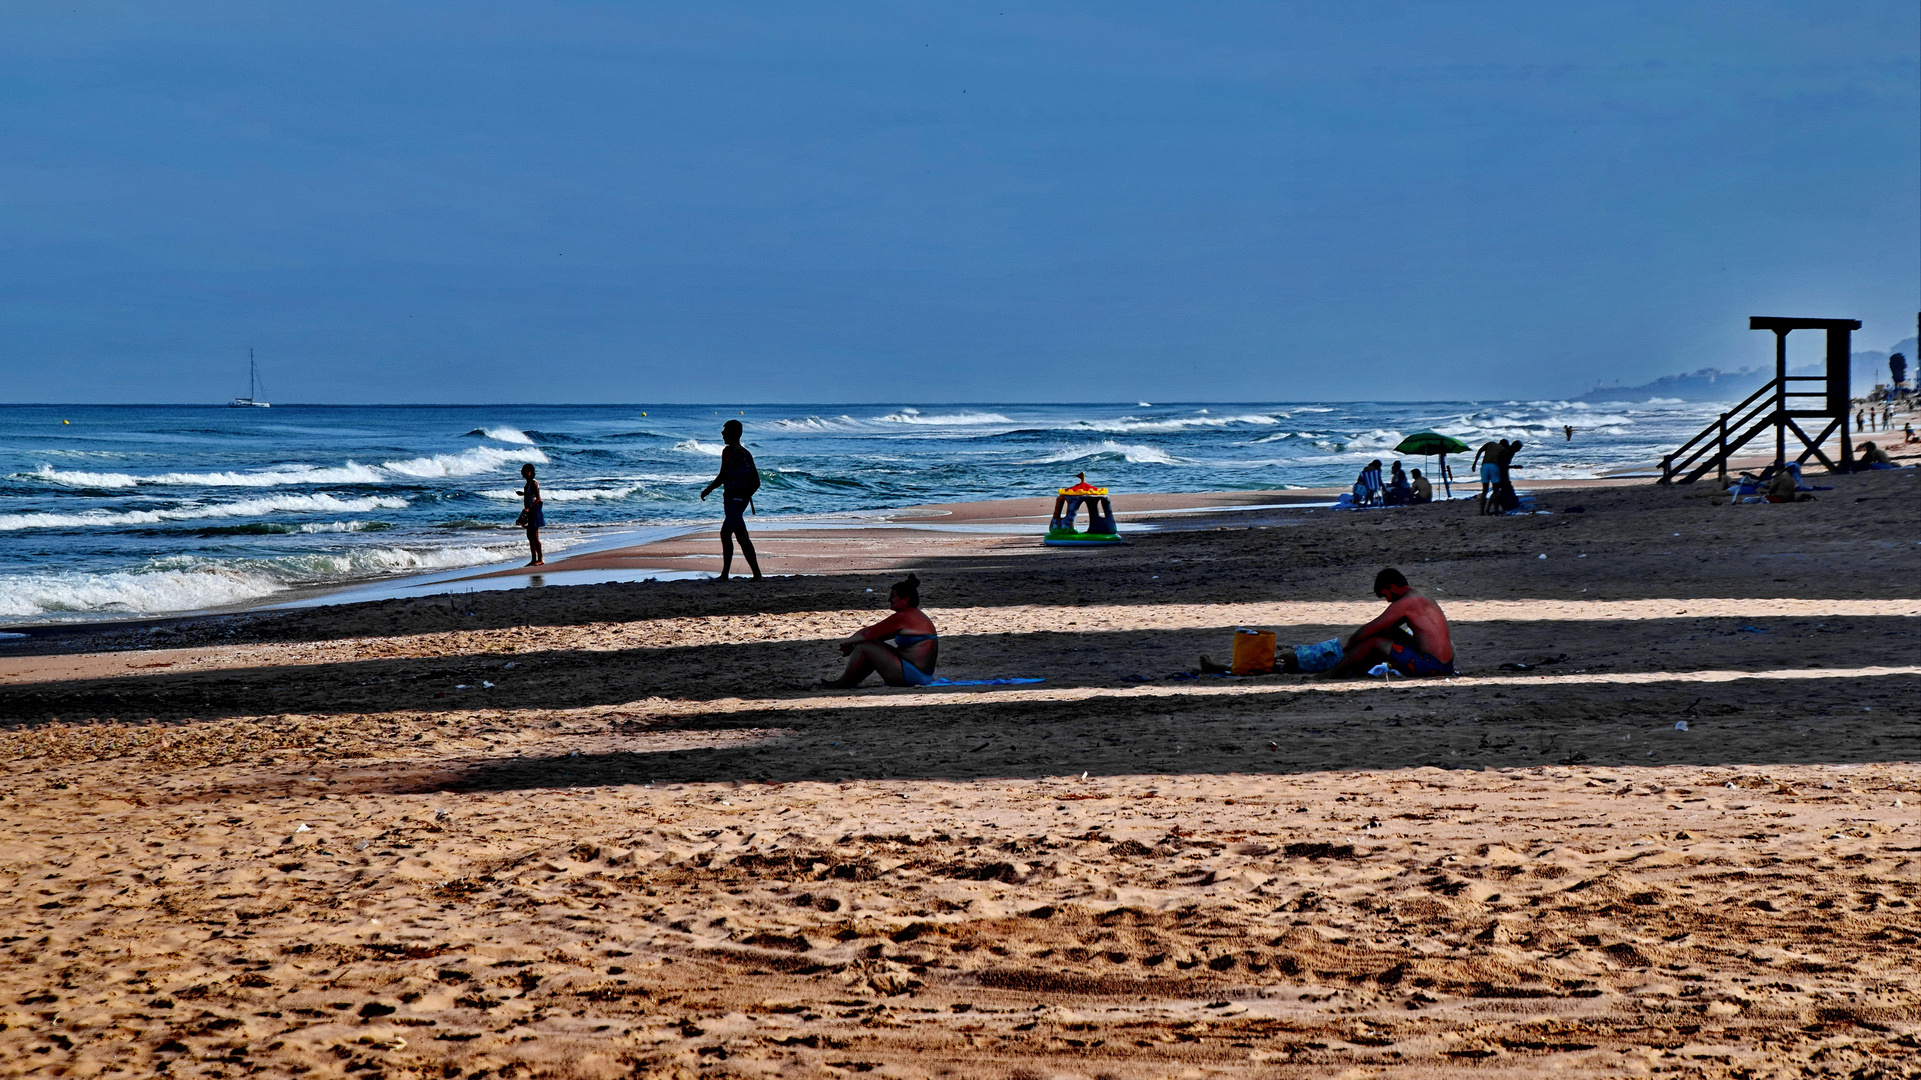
x=614, y=830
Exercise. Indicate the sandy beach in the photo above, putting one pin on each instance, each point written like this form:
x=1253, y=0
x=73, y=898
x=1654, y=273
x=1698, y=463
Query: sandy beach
x=1662, y=822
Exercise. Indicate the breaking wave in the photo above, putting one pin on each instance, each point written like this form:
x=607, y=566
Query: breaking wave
x=1181, y=423
x=350, y=473
x=818, y=423
x=1134, y=453
x=962, y=419
x=569, y=494
x=187, y=583
x=503, y=433
x=272, y=504
x=481, y=459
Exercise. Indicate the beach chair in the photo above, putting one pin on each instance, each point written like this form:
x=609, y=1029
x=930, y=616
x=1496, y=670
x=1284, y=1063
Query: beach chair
x=1367, y=488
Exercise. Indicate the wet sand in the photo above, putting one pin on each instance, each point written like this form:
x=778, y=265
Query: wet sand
x=617, y=830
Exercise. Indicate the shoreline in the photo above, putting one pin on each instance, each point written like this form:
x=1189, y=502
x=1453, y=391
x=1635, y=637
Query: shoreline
x=670, y=552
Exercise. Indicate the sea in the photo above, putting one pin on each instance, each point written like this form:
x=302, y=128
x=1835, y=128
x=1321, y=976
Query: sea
x=111, y=512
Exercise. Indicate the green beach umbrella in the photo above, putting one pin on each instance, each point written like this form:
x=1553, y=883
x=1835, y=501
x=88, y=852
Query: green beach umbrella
x=1426, y=443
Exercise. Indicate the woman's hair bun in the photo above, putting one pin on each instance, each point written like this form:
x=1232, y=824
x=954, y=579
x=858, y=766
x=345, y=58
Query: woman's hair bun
x=909, y=589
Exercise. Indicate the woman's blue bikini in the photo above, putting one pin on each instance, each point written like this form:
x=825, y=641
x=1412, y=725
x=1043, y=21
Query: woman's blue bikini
x=910, y=674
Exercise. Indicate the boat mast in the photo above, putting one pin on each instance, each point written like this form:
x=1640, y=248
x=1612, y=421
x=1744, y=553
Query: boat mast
x=252, y=393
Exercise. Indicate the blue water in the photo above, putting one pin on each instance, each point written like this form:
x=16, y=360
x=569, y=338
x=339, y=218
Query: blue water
x=112, y=511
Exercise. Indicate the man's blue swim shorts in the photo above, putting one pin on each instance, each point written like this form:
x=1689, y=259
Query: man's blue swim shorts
x=1415, y=662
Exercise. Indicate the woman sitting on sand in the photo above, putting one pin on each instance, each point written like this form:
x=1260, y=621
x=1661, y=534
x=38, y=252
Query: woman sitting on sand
x=909, y=661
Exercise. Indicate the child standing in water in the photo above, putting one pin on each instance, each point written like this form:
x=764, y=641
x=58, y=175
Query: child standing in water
x=531, y=515
x=741, y=479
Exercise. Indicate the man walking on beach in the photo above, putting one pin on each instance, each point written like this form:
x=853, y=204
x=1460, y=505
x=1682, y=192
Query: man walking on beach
x=741, y=479
x=1411, y=636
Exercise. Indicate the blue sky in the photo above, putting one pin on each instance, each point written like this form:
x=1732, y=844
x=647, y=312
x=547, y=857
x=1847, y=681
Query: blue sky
x=901, y=202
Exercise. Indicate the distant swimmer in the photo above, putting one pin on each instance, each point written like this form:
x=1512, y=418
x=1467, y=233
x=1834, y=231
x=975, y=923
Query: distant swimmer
x=1568, y=430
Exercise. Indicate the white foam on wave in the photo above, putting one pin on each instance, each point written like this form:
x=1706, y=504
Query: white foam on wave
x=341, y=526
x=503, y=433
x=962, y=419
x=350, y=473
x=695, y=446
x=189, y=583
x=79, y=478
x=568, y=494
x=480, y=459
x=820, y=423
x=271, y=504
x=1135, y=453
x=1127, y=424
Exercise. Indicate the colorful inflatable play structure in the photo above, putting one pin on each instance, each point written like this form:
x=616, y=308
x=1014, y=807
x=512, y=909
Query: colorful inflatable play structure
x=1100, y=517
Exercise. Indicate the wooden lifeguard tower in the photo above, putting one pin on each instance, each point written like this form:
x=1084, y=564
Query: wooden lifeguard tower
x=1101, y=529
x=1778, y=405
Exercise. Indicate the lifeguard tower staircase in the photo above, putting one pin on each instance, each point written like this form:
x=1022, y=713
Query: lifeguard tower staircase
x=1778, y=405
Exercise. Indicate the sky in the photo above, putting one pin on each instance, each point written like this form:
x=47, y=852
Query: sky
x=942, y=202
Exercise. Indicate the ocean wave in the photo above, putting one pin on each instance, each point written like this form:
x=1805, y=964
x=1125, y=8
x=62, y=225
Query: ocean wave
x=188, y=583
x=350, y=473
x=272, y=504
x=268, y=528
x=1129, y=424
x=801, y=480
x=1131, y=452
x=503, y=433
x=962, y=419
x=481, y=459
x=695, y=446
x=568, y=494
x=819, y=423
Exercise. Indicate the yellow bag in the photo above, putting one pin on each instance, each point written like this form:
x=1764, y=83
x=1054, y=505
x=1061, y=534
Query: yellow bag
x=1253, y=652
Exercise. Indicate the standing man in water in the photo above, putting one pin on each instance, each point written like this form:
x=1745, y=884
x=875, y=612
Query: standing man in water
x=740, y=479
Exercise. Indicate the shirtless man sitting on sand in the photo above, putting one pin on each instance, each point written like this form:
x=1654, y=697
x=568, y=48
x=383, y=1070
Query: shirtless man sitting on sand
x=1411, y=635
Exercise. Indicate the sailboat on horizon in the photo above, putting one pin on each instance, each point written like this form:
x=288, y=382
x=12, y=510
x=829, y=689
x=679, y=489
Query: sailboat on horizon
x=253, y=380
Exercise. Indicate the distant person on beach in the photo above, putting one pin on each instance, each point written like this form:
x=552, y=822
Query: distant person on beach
x=1908, y=433
x=740, y=479
x=1423, y=491
x=909, y=661
x=1411, y=636
x=1887, y=418
x=1568, y=430
x=1860, y=419
x=532, y=516
x=1873, y=457
x=1399, y=493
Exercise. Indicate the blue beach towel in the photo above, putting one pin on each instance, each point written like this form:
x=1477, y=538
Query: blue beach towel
x=981, y=682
